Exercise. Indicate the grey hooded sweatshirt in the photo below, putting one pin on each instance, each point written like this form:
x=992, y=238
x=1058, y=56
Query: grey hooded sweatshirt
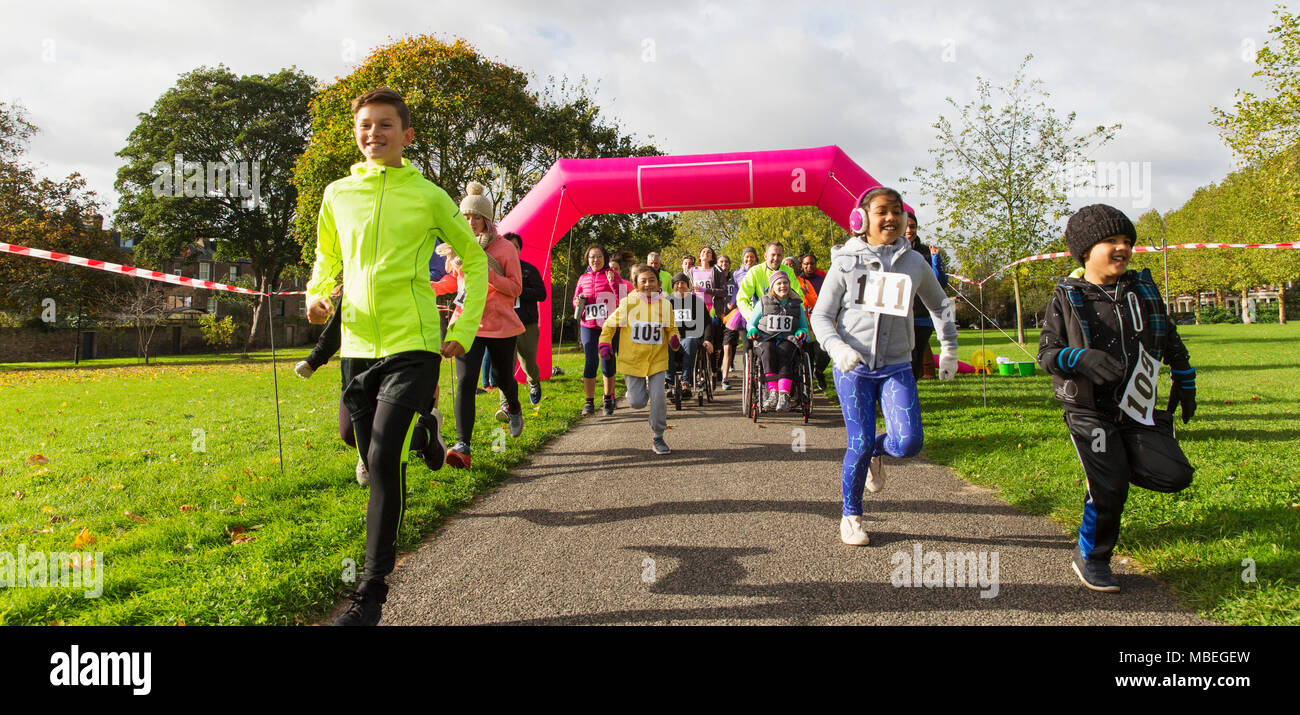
x=882, y=339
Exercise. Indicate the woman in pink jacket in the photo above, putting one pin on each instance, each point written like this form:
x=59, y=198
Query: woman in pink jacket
x=595, y=299
x=499, y=326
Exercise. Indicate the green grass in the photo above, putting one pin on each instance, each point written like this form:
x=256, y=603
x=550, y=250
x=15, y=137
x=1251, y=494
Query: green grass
x=122, y=448
x=1244, y=502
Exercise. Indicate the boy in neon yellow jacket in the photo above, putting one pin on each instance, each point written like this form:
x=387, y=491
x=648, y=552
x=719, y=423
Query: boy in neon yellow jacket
x=379, y=226
x=647, y=319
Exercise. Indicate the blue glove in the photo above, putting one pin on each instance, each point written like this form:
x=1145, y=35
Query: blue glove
x=1184, y=392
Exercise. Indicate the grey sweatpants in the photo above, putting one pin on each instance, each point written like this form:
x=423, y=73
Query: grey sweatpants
x=641, y=389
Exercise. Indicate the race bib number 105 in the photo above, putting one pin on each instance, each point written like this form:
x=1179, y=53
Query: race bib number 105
x=1139, y=400
x=879, y=292
x=647, y=333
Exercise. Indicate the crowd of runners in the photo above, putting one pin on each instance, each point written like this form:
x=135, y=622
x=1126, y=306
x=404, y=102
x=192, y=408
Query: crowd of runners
x=871, y=313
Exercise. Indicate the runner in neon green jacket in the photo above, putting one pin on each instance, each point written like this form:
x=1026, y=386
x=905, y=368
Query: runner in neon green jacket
x=379, y=226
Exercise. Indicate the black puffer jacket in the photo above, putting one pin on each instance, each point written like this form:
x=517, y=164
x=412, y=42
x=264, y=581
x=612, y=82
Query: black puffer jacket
x=1116, y=319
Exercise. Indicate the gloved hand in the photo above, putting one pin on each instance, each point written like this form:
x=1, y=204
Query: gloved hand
x=845, y=357
x=674, y=343
x=1096, y=365
x=752, y=333
x=1184, y=392
x=606, y=351
x=947, y=365
x=801, y=335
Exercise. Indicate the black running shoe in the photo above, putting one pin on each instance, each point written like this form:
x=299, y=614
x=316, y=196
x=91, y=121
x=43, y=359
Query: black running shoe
x=589, y=408
x=434, y=453
x=364, y=611
x=609, y=406
x=1094, y=574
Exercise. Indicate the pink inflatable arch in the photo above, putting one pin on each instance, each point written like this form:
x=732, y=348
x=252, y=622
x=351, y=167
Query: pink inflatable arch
x=824, y=177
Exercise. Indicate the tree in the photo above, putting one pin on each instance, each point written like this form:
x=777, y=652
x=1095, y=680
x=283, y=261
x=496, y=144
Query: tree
x=62, y=216
x=214, y=159
x=1002, y=175
x=144, y=305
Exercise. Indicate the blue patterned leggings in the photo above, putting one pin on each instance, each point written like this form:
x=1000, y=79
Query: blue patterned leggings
x=894, y=388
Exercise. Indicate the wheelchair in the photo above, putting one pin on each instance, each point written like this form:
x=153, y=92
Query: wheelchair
x=703, y=383
x=755, y=389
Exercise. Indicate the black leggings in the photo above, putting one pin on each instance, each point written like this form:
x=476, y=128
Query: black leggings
x=501, y=353
x=921, y=350
x=778, y=358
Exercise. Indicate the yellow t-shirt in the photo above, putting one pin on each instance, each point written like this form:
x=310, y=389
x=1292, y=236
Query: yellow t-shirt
x=647, y=326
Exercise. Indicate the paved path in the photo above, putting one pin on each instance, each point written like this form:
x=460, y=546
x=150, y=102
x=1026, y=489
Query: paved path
x=735, y=527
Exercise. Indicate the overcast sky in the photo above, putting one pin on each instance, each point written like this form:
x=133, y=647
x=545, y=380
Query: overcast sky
x=700, y=77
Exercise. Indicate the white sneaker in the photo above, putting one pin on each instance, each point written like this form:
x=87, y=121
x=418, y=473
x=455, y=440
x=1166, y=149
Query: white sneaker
x=363, y=476
x=304, y=369
x=770, y=403
x=851, y=531
x=782, y=402
x=876, y=475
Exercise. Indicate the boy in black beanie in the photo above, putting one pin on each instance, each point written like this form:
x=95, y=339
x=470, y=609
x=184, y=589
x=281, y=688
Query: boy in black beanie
x=1105, y=337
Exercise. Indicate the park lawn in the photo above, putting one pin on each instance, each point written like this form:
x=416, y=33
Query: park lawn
x=1244, y=502
x=174, y=471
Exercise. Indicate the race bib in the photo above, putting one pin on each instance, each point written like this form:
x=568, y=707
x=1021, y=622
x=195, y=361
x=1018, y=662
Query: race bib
x=516, y=302
x=647, y=333
x=459, y=300
x=778, y=323
x=1139, y=400
x=879, y=292
x=682, y=315
x=596, y=311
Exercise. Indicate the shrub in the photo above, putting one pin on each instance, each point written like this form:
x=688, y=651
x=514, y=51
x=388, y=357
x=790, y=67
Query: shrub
x=217, y=333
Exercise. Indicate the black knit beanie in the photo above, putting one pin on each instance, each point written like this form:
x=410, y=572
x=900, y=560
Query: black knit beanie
x=1091, y=225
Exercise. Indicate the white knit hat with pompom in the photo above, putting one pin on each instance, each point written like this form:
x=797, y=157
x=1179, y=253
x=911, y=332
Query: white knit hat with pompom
x=475, y=202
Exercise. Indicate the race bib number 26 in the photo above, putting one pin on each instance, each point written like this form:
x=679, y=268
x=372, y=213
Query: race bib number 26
x=879, y=292
x=1139, y=400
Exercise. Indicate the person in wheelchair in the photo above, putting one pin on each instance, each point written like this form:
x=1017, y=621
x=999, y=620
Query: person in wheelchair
x=778, y=315
x=692, y=317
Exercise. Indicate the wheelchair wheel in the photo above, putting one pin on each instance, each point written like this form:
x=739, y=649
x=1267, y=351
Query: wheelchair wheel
x=746, y=399
x=708, y=386
x=806, y=386
x=677, y=392
x=756, y=386
x=701, y=373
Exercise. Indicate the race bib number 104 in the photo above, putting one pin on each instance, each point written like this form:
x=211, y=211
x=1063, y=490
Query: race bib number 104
x=1139, y=400
x=879, y=292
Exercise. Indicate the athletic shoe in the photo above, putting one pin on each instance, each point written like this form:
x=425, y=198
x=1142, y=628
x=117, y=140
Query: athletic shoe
x=851, y=531
x=821, y=383
x=660, y=446
x=686, y=391
x=1094, y=574
x=516, y=422
x=770, y=403
x=876, y=475
x=364, y=611
x=363, y=475
x=609, y=406
x=503, y=415
x=304, y=369
x=458, y=456
x=782, y=402
x=434, y=453
x=588, y=407
x=535, y=392
x=479, y=391
x=724, y=385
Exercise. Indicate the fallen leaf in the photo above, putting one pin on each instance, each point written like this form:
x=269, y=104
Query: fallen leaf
x=117, y=486
x=135, y=517
x=19, y=495
x=46, y=530
x=1254, y=397
x=239, y=499
x=1229, y=402
x=243, y=539
x=181, y=621
x=148, y=422
x=82, y=562
x=84, y=480
x=83, y=538
x=38, y=459
x=187, y=507
x=235, y=530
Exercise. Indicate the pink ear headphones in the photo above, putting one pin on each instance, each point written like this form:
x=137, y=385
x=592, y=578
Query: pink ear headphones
x=858, y=220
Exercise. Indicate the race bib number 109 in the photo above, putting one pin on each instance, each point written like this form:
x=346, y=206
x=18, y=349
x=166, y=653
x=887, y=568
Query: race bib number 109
x=879, y=292
x=1139, y=400
x=647, y=333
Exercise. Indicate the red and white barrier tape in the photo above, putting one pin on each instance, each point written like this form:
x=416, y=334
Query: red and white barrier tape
x=130, y=271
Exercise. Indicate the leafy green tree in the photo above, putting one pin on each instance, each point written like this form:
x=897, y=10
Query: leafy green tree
x=237, y=139
x=1001, y=178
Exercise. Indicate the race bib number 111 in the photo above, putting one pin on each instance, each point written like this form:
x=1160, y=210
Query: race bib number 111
x=879, y=292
